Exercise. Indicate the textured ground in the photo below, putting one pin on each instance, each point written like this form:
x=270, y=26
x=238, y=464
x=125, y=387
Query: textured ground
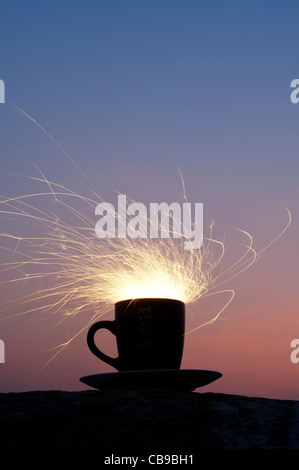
x=146, y=421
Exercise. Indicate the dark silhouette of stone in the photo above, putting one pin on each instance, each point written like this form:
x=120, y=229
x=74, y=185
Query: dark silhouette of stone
x=146, y=421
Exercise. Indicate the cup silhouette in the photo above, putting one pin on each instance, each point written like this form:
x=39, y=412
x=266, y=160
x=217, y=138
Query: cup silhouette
x=149, y=334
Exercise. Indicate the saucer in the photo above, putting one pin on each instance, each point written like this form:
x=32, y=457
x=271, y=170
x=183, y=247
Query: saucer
x=184, y=380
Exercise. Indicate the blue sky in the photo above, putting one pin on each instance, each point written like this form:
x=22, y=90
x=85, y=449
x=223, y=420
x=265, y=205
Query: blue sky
x=141, y=84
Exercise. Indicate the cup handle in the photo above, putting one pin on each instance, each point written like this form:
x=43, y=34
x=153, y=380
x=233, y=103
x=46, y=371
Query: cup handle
x=108, y=325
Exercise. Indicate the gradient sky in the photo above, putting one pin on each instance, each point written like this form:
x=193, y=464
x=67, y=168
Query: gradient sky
x=131, y=90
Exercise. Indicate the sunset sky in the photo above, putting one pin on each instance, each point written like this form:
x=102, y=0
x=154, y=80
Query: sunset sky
x=131, y=91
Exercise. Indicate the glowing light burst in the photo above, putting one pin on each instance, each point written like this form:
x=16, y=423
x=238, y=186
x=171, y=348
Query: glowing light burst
x=86, y=270
x=77, y=273
x=70, y=271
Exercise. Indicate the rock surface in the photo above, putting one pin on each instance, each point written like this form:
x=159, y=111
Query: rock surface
x=146, y=421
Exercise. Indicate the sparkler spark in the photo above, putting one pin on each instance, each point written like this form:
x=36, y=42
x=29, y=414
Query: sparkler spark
x=88, y=270
x=74, y=273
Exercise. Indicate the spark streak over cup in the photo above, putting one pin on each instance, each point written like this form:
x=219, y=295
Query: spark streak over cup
x=71, y=272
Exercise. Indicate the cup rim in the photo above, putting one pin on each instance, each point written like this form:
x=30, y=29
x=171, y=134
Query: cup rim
x=150, y=299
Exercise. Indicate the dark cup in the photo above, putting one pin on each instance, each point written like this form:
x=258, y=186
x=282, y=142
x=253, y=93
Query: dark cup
x=149, y=334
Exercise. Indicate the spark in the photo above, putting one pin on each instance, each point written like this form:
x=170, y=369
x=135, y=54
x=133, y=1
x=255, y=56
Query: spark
x=76, y=274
